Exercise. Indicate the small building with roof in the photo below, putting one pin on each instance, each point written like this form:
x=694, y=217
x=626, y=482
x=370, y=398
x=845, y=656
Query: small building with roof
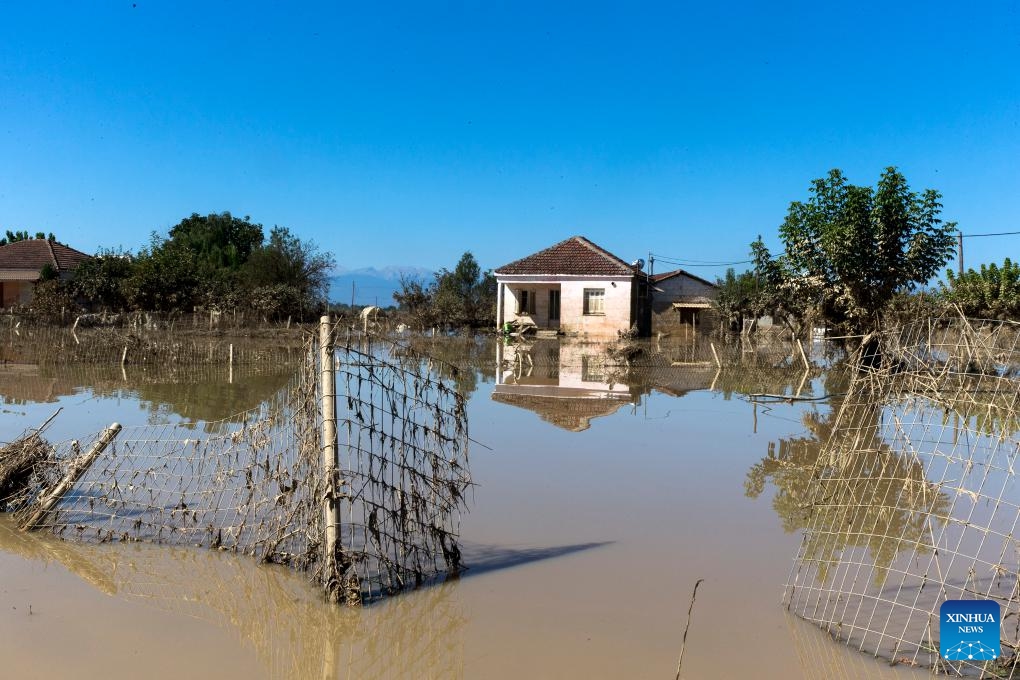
x=22, y=264
x=575, y=287
x=681, y=299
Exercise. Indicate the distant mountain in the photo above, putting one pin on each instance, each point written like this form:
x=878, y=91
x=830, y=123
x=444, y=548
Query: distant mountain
x=372, y=286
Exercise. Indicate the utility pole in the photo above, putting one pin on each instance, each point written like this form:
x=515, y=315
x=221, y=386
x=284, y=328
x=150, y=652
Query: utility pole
x=959, y=249
x=352, y=295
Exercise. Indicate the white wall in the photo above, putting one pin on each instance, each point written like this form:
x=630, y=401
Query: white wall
x=617, y=316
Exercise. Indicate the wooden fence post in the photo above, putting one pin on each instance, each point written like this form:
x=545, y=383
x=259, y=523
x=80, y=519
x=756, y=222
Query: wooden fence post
x=327, y=383
x=77, y=469
x=803, y=355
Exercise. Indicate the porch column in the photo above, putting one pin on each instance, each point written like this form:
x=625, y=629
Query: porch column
x=499, y=305
x=499, y=362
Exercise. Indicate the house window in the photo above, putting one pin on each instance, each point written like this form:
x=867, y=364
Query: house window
x=594, y=300
x=525, y=302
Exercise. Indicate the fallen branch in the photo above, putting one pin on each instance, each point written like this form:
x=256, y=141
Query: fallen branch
x=683, y=645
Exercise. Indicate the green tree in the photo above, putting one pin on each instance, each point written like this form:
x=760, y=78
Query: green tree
x=465, y=296
x=415, y=299
x=487, y=288
x=99, y=281
x=164, y=278
x=849, y=249
x=218, y=240
x=993, y=292
x=48, y=272
x=739, y=297
x=221, y=244
x=15, y=236
x=50, y=299
x=286, y=263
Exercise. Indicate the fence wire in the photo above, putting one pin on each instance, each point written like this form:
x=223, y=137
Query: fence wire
x=913, y=499
x=48, y=346
x=256, y=484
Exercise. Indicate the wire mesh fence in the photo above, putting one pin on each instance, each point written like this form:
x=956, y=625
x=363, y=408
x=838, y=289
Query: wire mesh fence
x=913, y=499
x=379, y=513
x=47, y=345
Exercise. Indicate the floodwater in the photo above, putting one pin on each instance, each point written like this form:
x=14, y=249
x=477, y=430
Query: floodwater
x=602, y=497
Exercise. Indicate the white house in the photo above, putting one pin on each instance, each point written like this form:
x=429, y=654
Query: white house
x=574, y=287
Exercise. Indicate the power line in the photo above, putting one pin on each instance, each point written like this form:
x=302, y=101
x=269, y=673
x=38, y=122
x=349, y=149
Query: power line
x=1001, y=233
x=715, y=264
x=694, y=263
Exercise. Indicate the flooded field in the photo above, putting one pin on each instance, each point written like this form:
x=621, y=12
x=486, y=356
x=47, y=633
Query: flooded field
x=602, y=495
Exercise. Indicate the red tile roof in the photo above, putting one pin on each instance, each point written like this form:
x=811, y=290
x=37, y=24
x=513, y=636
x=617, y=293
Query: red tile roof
x=33, y=254
x=574, y=414
x=677, y=272
x=576, y=256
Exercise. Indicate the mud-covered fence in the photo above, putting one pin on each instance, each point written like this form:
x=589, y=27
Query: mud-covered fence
x=914, y=498
x=210, y=320
x=383, y=470
x=116, y=346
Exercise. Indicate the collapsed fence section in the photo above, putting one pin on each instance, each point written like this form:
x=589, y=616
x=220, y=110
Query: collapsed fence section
x=361, y=489
x=914, y=498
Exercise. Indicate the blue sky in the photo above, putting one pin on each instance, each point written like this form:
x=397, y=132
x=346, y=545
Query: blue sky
x=408, y=133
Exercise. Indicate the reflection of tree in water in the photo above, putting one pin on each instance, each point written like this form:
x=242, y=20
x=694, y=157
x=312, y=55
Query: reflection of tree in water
x=189, y=392
x=983, y=404
x=850, y=490
x=466, y=360
x=192, y=392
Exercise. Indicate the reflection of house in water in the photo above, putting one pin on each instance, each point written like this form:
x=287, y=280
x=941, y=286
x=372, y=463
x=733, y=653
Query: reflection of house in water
x=568, y=384
x=565, y=384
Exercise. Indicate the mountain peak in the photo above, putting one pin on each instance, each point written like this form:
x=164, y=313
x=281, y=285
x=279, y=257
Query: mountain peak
x=373, y=285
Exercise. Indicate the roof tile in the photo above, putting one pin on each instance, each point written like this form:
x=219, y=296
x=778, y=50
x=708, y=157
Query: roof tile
x=35, y=253
x=575, y=256
x=678, y=272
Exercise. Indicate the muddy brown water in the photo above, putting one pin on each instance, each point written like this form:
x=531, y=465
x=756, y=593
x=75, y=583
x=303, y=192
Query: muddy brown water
x=602, y=498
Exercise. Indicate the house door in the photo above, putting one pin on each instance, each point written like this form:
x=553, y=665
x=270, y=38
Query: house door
x=554, y=306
